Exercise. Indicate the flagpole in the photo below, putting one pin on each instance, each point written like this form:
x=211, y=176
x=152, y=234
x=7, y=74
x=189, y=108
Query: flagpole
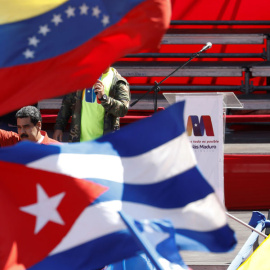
x=246, y=225
x=246, y=249
x=146, y=246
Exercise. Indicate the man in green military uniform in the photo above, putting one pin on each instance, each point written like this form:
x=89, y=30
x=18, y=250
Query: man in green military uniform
x=94, y=111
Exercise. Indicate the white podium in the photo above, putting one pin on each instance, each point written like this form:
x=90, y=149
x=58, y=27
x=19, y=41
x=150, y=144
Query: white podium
x=204, y=116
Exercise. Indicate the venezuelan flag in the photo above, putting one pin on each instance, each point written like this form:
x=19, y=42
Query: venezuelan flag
x=52, y=47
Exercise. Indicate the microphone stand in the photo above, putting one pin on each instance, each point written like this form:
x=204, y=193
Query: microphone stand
x=156, y=87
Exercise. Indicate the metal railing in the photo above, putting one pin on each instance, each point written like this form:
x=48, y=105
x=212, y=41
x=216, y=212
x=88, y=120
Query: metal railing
x=246, y=88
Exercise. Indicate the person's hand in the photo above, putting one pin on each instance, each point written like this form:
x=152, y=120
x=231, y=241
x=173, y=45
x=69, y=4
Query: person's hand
x=58, y=135
x=99, y=89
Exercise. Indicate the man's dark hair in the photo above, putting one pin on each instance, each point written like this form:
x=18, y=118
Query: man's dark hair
x=29, y=111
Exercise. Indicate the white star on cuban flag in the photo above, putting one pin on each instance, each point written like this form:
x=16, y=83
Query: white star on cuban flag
x=45, y=209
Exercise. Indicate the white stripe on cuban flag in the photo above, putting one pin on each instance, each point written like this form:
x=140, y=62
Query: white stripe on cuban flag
x=174, y=157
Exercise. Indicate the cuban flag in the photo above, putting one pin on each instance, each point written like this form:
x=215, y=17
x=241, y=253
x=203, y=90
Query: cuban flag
x=60, y=204
x=51, y=47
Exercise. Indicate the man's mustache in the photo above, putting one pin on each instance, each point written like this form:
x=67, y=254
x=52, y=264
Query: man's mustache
x=24, y=136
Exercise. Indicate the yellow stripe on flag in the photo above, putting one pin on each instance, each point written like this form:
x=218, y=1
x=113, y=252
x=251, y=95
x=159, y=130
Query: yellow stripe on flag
x=259, y=259
x=17, y=10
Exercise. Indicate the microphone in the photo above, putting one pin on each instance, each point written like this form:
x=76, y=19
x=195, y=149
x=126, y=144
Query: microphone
x=207, y=46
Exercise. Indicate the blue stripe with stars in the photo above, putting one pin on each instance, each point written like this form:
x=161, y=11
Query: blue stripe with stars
x=59, y=30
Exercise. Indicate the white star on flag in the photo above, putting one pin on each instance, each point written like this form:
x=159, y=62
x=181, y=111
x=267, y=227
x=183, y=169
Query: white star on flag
x=28, y=54
x=33, y=41
x=44, y=30
x=105, y=20
x=57, y=19
x=70, y=12
x=84, y=9
x=96, y=11
x=45, y=209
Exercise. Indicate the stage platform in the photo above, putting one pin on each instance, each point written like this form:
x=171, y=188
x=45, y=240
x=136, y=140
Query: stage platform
x=246, y=176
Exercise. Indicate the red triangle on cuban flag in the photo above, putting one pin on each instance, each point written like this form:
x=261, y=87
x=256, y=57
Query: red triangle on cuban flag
x=37, y=209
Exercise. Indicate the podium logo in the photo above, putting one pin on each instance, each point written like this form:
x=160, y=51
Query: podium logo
x=199, y=127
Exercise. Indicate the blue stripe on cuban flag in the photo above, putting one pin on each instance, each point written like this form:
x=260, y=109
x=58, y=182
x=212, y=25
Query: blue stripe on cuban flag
x=151, y=172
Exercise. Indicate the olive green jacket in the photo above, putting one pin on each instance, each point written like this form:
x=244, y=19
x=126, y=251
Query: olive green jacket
x=115, y=106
